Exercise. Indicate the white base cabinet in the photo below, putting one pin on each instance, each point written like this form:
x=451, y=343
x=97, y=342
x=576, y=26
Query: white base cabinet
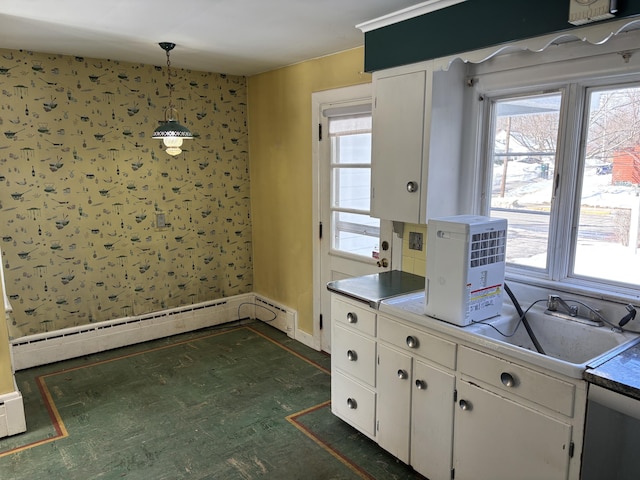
x=432, y=411
x=448, y=407
x=497, y=439
x=353, y=364
x=394, y=401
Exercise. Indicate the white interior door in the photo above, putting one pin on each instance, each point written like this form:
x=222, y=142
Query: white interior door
x=350, y=241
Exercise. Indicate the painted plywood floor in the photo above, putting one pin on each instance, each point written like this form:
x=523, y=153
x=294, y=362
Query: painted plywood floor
x=243, y=402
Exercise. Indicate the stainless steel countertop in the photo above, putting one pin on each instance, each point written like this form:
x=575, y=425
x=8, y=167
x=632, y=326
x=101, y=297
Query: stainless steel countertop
x=372, y=289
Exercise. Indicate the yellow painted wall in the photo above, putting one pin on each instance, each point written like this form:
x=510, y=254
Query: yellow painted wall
x=81, y=182
x=280, y=150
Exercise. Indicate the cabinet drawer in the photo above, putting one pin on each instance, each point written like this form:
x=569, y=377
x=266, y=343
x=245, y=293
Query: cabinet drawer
x=417, y=342
x=515, y=379
x=354, y=403
x=354, y=354
x=360, y=318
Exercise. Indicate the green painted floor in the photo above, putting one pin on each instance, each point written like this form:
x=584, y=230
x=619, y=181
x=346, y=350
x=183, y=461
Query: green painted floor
x=234, y=402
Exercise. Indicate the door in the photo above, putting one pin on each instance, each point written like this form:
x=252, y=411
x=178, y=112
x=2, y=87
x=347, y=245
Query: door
x=432, y=421
x=498, y=439
x=349, y=241
x=399, y=126
x=393, y=379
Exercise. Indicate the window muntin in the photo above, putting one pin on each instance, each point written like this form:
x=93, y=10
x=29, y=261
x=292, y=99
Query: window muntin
x=354, y=232
x=595, y=216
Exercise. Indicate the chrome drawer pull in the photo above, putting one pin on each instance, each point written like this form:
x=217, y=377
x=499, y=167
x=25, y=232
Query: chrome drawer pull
x=352, y=356
x=412, y=187
x=508, y=380
x=412, y=342
x=352, y=317
x=402, y=374
x=464, y=405
x=351, y=403
x=421, y=385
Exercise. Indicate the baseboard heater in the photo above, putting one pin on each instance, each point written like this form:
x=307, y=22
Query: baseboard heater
x=44, y=348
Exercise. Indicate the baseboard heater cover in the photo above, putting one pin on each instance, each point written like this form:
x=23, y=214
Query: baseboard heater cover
x=12, y=418
x=50, y=347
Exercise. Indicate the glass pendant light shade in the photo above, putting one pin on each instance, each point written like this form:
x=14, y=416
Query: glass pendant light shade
x=173, y=151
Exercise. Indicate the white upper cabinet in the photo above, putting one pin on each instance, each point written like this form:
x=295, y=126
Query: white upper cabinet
x=417, y=142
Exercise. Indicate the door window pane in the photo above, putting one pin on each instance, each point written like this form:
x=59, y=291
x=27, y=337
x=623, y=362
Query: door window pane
x=523, y=157
x=607, y=234
x=352, y=188
x=356, y=234
x=353, y=230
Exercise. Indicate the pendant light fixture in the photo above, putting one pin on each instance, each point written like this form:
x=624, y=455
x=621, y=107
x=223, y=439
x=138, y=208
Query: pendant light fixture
x=170, y=131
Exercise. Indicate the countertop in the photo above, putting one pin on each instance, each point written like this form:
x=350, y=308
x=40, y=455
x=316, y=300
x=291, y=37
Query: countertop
x=620, y=374
x=372, y=289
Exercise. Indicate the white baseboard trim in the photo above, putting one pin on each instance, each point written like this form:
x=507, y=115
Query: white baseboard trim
x=45, y=348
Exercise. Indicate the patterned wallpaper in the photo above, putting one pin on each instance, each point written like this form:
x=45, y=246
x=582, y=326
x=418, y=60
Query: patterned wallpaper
x=82, y=185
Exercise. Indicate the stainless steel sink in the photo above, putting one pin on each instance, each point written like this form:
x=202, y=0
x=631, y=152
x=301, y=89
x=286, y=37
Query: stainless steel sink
x=566, y=341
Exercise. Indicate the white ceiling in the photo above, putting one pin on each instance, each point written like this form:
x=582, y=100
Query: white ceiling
x=240, y=37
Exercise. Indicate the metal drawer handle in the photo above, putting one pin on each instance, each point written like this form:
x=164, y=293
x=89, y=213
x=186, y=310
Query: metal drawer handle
x=508, y=380
x=352, y=317
x=402, y=374
x=421, y=385
x=464, y=405
x=412, y=187
x=412, y=342
x=351, y=403
x=352, y=355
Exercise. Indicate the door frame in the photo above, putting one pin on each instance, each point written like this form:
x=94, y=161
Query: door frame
x=336, y=96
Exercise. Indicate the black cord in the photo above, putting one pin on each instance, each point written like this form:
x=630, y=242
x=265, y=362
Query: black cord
x=275, y=315
x=523, y=317
x=509, y=335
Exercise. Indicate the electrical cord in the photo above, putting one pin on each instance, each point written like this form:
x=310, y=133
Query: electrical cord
x=275, y=315
x=523, y=318
x=520, y=321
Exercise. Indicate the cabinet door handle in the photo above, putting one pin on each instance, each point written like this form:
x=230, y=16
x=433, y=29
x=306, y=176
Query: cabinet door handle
x=508, y=380
x=412, y=342
x=351, y=403
x=464, y=405
x=402, y=374
x=352, y=318
x=352, y=355
x=412, y=187
x=421, y=385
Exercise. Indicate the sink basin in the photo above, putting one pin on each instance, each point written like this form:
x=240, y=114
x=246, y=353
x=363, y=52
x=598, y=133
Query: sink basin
x=564, y=340
x=570, y=347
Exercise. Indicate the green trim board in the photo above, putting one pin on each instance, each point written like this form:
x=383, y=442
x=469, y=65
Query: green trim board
x=468, y=26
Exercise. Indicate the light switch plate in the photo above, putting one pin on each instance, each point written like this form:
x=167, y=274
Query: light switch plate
x=160, y=220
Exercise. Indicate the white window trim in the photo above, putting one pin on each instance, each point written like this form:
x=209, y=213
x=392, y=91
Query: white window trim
x=521, y=72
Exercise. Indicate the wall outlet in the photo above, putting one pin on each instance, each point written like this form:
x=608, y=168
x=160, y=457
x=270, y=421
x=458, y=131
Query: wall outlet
x=415, y=241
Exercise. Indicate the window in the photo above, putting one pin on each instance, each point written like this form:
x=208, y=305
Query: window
x=354, y=231
x=562, y=166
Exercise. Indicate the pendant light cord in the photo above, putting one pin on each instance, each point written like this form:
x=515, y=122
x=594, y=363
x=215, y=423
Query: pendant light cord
x=170, y=85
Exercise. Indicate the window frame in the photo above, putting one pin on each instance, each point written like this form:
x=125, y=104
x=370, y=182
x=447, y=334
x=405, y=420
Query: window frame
x=575, y=69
